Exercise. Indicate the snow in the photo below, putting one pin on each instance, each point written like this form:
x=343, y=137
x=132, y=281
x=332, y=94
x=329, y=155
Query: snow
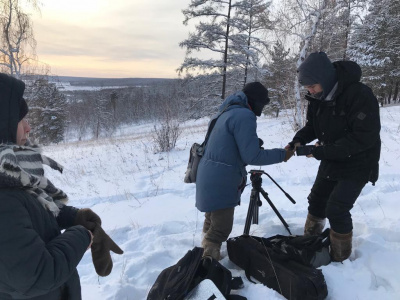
x=148, y=210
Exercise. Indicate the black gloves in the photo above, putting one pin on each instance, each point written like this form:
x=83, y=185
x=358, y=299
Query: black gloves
x=102, y=243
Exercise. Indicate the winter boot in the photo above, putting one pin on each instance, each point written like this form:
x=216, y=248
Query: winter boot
x=340, y=245
x=211, y=249
x=314, y=225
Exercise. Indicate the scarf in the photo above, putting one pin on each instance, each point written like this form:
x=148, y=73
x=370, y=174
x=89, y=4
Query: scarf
x=22, y=167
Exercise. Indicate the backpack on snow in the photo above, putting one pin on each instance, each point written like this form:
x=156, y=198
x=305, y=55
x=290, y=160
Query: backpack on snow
x=189, y=274
x=283, y=263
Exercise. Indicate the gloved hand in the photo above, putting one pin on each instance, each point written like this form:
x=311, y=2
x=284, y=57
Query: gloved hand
x=289, y=153
x=292, y=145
x=101, y=247
x=87, y=218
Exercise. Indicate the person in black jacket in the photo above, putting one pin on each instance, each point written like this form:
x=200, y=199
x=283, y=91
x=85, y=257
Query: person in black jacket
x=37, y=261
x=343, y=116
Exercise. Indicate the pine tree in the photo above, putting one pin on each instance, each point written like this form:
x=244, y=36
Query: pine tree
x=212, y=34
x=280, y=78
x=230, y=32
x=47, y=111
x=376, y=47
x=248, y=46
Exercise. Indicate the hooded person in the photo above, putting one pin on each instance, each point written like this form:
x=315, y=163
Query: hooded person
x=37, y=260
x=221, y=176
x=343, y=116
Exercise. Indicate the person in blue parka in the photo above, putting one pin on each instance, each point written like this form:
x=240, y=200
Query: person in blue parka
x=221, y=176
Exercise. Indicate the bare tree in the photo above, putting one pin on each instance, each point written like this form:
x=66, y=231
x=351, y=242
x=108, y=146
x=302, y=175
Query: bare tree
x=300, y=19
x=17, y=42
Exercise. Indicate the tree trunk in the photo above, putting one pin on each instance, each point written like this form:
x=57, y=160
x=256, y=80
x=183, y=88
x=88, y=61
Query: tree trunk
x=226, y=51
x=248, y=46
x=346, y=38
x=396, y=93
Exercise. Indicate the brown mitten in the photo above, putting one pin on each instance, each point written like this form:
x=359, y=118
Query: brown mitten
x=101, y=247
x=87, y=218
x=288, y=154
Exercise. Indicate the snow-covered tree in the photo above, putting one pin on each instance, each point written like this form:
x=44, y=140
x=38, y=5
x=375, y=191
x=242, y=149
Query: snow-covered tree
x=376, y=47
x=279, y=80
x=230, y=32
x=248, y=46
x=212, y=34
x=300, y=20
x=102, y=114
x=47, y=111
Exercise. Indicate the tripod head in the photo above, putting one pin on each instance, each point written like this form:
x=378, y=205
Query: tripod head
x=256, y=180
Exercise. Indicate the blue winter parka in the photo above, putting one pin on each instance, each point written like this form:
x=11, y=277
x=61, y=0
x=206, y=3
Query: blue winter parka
x=233, y=144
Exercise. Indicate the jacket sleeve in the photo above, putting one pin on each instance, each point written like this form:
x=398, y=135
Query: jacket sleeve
x=30, y=267
x=66, y=217
x=245, y=133
x=307, y=133
x=364, y=127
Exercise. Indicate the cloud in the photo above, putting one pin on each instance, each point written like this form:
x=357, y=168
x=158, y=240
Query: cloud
x=127, y=33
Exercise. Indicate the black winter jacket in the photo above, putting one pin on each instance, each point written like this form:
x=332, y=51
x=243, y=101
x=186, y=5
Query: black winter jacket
x=348, y=127
x=36, y=260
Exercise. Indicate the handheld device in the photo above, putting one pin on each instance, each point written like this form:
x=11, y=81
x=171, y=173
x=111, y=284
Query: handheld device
x=304, y=150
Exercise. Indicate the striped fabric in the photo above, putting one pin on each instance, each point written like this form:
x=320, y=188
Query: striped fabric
x=22, y=167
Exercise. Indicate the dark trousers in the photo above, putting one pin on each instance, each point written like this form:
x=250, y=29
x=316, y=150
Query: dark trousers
x=333, y=199
x=218, y=225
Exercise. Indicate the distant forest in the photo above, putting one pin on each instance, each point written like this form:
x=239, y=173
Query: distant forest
x=229, y=44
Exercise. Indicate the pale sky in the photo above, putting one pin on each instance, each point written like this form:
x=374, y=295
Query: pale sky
x=111, y=38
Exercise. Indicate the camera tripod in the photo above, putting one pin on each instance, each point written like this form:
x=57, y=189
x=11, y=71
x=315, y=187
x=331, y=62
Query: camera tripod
x=255, y=200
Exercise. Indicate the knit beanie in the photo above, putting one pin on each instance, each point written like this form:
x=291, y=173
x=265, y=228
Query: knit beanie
x=23, y=109
x=257, y=96
x=317, y=68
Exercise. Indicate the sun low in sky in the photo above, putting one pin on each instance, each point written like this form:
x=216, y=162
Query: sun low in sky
x=111, y=38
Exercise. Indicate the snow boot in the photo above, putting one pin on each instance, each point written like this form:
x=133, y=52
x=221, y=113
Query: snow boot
x=313, y=225
x=340, y=245
x=211, y=249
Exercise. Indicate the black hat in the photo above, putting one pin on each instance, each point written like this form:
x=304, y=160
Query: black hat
x=23, y=109
x=257, y=96
x=317, y=68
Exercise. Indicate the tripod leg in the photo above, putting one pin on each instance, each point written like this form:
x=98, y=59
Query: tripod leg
x=265, y=195
x=253, y=207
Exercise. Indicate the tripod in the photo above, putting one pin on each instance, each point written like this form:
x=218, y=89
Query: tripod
x=255, y=201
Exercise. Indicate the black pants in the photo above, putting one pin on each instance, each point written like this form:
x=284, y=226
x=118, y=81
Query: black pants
x=333, y=199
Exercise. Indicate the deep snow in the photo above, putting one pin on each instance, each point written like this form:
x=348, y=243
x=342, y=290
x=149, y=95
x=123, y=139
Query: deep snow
x=148, y=210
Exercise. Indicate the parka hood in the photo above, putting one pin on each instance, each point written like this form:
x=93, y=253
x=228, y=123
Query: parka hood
x=348, y=72
x=238, y=98
x=11, y=92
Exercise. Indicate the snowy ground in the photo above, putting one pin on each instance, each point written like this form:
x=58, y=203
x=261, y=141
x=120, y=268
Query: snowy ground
x=148, y=210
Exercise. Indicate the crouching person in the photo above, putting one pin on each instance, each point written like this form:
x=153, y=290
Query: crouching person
x=37, y=261
x=221, y=176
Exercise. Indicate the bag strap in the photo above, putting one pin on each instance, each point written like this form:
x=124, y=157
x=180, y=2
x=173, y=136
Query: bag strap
x=214, y=121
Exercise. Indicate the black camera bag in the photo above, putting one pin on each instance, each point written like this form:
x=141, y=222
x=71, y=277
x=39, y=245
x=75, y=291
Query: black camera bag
x=311, y=250
x=293, y=280
x=177, y=281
